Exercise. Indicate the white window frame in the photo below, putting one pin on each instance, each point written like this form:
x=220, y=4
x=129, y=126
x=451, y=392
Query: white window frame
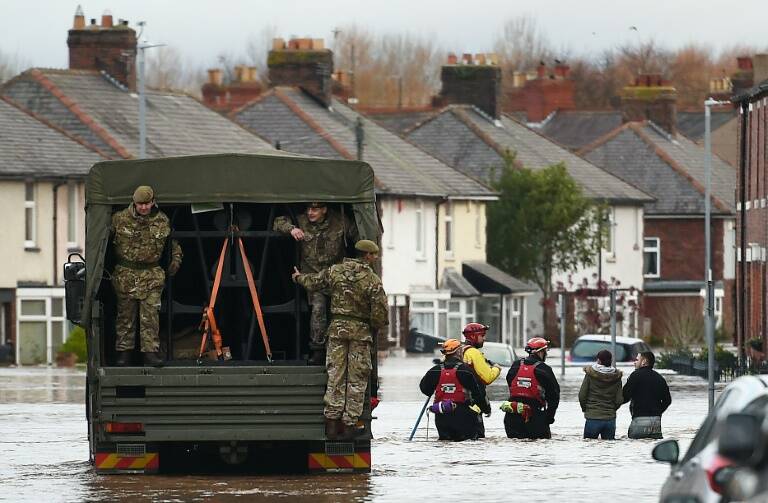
x=449, y=229
x=47, y=295
x=652, y=249
x=610, y=243
x=464, y=314
x=391, y=216
x=515, y=319
x=438, y=306
x=30, y=188
x=420, y=241
x=73, y=198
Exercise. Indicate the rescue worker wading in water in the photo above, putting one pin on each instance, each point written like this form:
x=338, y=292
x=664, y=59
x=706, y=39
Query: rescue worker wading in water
x=485, y=371
x=534, y=394
x=455, y=389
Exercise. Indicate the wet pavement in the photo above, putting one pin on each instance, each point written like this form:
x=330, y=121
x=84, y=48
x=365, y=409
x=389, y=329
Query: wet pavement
x=45, y=451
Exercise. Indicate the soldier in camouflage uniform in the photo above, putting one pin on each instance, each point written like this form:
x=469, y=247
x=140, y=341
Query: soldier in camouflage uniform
x=358, y=307
x=323, y=235
x=140, y=235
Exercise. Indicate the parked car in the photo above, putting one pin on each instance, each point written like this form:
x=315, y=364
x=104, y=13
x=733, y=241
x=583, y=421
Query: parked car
x=701, y=475
x=500, y=353
x=586, y=347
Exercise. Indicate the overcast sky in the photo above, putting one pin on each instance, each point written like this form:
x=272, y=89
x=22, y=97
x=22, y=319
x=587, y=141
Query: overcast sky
x=36, y=30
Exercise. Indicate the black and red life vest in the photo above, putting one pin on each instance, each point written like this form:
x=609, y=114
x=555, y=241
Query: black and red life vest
x=449, y=387
x=526, y=385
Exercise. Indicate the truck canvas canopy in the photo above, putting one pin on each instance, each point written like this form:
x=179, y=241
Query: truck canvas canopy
x=221, y=178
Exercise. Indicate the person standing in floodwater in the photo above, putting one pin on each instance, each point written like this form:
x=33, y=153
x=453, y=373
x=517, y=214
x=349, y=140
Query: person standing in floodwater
x=600, y=397
x=648, y=394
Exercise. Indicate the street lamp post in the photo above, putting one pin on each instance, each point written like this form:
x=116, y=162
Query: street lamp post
x=709, y=322
x=141, y=70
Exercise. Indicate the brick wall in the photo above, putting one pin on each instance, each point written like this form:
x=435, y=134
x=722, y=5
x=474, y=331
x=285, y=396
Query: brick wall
x=540, y=97
x=478, y=85
x=111, y=49
x=682, y=247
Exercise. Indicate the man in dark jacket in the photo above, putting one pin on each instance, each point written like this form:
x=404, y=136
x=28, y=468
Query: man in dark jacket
x=649, y=397
x=459, y=399
x=534, y=394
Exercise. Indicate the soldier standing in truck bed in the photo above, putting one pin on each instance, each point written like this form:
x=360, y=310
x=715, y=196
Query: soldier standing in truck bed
x=323, y=235
x=358, y=307
x=140, y=233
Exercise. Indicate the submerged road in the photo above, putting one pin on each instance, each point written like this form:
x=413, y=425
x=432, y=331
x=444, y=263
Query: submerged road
x=45, y=452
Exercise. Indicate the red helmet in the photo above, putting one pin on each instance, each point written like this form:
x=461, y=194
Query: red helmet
x=536, y=344
x=473, y=330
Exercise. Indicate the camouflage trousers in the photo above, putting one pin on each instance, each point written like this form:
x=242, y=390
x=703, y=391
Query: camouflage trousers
x=348, y=362
x=147, y=310
x=318, y=320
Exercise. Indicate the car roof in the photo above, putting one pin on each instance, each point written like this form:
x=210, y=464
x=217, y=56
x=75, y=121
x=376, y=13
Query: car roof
x=607, y=338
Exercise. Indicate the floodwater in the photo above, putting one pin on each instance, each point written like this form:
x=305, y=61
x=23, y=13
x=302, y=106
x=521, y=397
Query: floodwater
x=45, y=451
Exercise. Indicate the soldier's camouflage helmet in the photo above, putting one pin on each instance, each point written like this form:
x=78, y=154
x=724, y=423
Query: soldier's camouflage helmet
x=365, y=245
x=143, y=194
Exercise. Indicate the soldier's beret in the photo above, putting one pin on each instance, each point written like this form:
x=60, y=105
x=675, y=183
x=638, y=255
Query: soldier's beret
x=365, y=245
x=143, y=194
x=316, y=204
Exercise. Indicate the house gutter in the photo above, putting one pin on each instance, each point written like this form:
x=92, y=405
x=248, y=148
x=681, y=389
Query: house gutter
x=437, y=240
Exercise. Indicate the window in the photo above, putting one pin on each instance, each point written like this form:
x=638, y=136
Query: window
x=30, y=216
x=430, y=317
x=514, y=331
x=449, y=229
x=72, y=208
x=42, y=327
x=651, y=257
x=609, y=226
x=420, y=248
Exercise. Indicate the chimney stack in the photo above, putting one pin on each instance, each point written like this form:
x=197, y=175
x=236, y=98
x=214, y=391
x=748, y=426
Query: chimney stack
x=304, y=63
x=650, y=98
x=109, y=48
x=759, y=68
x=540, y=94
x=472, y=81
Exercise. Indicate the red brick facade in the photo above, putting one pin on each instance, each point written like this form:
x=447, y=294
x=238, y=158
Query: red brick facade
x=543, y=95
x=107, y=47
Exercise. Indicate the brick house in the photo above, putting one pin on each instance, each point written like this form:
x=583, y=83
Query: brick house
x=752, y=222
x=670, y=167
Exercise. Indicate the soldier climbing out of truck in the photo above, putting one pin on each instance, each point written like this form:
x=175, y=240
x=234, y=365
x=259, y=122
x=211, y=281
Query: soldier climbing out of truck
x=359, y=308
x=323, y=234
x=141, y=233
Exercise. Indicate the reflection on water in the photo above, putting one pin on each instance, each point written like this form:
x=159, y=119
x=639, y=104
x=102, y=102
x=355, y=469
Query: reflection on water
x=45, y=452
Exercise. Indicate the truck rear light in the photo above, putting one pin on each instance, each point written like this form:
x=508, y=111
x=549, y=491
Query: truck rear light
x=112, y=427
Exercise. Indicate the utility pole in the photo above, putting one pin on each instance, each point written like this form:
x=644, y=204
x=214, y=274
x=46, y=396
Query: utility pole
x=141, y=56
x=709, y=321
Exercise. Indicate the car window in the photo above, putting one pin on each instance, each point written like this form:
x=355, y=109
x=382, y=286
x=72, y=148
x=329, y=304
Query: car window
x=500, y=355
x=758, y=406
x=589, y=349
x=710, y=428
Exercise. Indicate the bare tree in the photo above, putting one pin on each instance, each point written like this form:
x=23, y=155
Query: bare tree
x=257, y=48
x=521, y=44
x=690, y=70
x=10, y=65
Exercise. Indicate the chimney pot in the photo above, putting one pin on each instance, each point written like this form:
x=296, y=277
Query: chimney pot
x=466, y=59
x=541, y=70
x=744, y=62
x=493, y=58
x=480, y=59
x=79, y=23
x=106, y=19
x=214, y=76
x=452, y=58
x=278, y=44
x=93, y=21
x=318, y=44
x=293, y=43
x=305, y=44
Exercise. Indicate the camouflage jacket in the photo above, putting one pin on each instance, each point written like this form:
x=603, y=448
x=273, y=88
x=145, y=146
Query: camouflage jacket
x=323, y=243
x=356, y=291
x=141, y=239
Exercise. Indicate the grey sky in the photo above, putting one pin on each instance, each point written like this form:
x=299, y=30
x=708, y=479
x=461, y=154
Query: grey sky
x=36, y=30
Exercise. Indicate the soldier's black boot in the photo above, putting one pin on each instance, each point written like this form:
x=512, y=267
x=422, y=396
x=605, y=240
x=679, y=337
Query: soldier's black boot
x=123, y=359
x=152, y=359
x=332, y=428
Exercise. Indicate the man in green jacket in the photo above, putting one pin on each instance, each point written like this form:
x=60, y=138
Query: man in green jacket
x=600, y=395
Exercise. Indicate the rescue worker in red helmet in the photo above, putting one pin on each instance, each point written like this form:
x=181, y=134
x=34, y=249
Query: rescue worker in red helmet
x=456, y=392
x=534, y=394
x=485, y=370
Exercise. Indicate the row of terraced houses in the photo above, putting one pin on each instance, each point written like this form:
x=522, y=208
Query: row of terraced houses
x=434, y=168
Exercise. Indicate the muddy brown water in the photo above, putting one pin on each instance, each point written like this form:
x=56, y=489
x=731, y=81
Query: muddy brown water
x=45, y=452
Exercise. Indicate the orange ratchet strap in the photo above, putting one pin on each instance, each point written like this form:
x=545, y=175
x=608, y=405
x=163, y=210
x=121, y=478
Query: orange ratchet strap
x=208, y=323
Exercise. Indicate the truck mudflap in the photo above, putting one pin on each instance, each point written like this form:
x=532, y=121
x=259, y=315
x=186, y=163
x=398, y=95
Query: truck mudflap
x=127, y=461
x=336, y=457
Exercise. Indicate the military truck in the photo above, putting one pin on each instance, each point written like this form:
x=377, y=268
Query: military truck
x=249, y=411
